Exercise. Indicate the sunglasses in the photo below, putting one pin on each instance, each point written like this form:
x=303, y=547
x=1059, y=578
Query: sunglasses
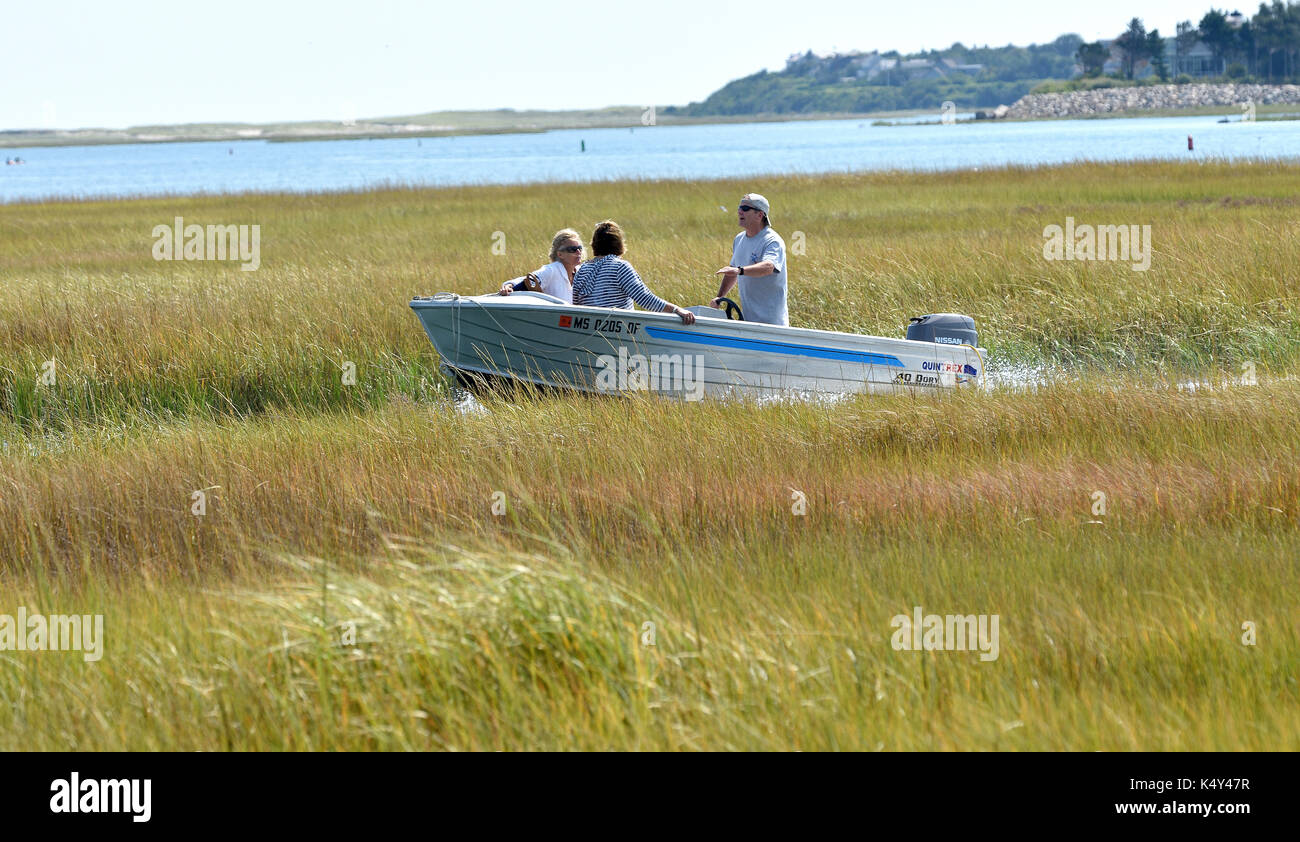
x=571, y=249
x=748, y=208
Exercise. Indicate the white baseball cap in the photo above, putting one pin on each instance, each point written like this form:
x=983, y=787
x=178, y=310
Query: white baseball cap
x=759, y=201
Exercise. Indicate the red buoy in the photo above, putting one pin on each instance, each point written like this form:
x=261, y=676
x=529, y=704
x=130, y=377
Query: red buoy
x=1189, y=144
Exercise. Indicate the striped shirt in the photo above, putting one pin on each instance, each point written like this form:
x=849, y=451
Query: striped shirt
x=610, y=281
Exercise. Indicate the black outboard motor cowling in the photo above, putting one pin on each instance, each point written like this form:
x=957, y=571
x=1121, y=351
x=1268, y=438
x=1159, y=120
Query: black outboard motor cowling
x=944, y=328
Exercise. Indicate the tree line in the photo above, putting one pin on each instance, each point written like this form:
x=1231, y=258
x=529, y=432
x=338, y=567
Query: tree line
x=1266, y=47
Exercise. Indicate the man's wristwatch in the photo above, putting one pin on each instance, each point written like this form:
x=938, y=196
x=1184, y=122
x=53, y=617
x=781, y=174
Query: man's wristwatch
x=740, y=270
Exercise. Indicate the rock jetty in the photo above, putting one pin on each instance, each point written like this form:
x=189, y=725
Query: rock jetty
x=1148, y=98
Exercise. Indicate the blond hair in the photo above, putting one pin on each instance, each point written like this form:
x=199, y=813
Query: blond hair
x=561, y=237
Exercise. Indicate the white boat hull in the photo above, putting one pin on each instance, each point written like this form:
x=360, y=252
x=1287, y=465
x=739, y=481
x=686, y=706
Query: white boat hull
x=537, y=339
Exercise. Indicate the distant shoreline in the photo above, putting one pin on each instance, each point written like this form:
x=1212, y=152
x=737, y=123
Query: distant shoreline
x=457, y=124
x=423, y=126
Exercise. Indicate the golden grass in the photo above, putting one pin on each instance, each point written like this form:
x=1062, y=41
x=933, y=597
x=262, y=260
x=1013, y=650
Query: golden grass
x=1108, y=641
x=639, y=471
x=350, y=586
x=132, y=335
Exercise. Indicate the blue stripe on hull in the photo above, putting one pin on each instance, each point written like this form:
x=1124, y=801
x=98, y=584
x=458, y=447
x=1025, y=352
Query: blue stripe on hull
x=774, y=347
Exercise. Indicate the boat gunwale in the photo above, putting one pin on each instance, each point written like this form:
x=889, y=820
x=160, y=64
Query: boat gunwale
x=503, y=302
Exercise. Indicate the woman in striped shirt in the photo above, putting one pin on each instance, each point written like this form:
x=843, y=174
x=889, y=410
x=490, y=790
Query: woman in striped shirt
x=610, y=281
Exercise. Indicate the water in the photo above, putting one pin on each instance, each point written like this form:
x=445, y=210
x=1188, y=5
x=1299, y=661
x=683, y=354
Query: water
x=730, y=150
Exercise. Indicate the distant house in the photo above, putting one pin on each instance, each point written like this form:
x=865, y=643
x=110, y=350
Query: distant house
x=1198, y=61
x=871, y=65
x=922, y=68
x=1114, y=58
x=806, y=64
x=953, y=66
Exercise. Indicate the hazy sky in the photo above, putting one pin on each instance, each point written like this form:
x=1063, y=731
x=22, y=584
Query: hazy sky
x=114, y=64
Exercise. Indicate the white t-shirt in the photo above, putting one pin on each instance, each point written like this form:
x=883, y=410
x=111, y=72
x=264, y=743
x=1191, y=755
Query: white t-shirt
x=762, y=299
x=555, y=281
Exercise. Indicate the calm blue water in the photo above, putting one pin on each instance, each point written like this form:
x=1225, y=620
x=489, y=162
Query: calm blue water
x=644, y=152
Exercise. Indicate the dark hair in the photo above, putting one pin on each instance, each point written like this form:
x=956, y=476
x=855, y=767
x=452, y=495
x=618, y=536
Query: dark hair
x=607, y=239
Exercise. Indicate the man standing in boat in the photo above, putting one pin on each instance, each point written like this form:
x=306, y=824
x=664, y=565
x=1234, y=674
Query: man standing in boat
x=757, y=264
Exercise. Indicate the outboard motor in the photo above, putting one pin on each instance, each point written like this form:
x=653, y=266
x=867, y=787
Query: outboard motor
x=944, y=328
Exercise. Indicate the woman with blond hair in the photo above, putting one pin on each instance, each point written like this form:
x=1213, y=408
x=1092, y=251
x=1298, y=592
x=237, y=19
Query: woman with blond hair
x=556, y=277
x=607, y=280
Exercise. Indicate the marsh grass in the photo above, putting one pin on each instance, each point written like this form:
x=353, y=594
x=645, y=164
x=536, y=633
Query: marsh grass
x=1108, y=642
x=350, y=585
x=131, y=335
x=639, y=471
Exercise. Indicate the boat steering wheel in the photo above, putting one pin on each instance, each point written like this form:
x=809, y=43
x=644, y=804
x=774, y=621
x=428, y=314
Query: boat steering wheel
x=729, y=307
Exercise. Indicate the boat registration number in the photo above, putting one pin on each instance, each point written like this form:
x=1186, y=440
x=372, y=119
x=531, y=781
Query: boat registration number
x=597, y=325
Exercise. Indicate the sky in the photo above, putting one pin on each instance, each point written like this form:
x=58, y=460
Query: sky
x=119, y=64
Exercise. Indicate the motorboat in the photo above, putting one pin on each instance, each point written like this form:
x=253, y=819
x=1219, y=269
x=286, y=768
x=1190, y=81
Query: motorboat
x=535, y=338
